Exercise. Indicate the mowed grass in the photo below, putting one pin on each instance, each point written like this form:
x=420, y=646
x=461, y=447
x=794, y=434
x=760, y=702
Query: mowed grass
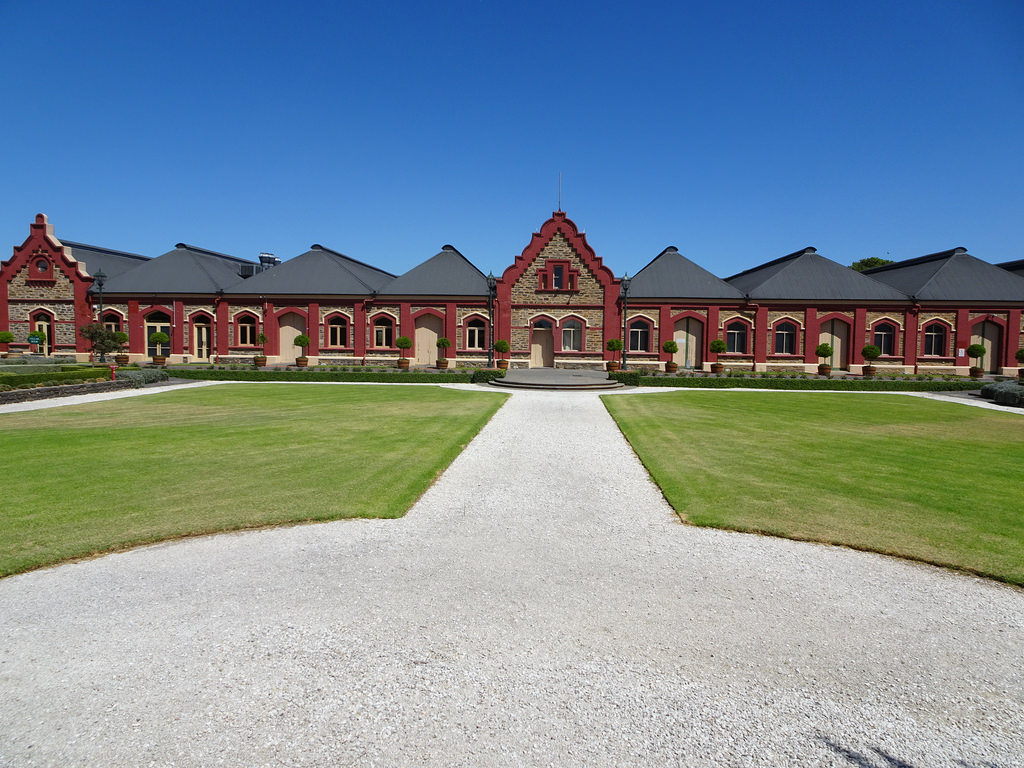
x=938, y=482
x=105, y=476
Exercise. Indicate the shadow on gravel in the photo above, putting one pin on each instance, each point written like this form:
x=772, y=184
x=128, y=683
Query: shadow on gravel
x=883, y=759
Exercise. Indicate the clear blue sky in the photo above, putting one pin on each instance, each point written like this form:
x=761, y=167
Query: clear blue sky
x=737, y=131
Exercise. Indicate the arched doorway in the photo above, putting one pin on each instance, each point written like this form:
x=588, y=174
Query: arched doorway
x=688, y=333
x=202, y=336
x=429, y=329
x=42, y=325
x=290, y=325
x=542, y=345
x=837, y=333
x=157, y=322
x=990, y=336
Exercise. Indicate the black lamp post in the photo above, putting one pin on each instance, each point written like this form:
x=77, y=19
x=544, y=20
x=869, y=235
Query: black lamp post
x=492, y=289
x=98, y=280
x=625, y=318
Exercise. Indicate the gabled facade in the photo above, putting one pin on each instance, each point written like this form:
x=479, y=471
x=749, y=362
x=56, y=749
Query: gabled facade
x=557, y=304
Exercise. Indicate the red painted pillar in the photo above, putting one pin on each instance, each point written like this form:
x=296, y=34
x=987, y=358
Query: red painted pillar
x=711, y=333
x=136, y=330
x=963, y=335
x=612, y=318
x=270, y=329
x=761, y=331
x=223, y=327
x=811, y=330
x=313, y=328
x=1013, y=339
x=359, y=329
x=859, y=335
x=911, y=340
x=451, y=328
x=178, y=328
x=405, y=325
x=664, y=330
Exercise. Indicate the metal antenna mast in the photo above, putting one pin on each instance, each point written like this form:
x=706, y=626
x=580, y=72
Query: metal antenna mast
x=559, y=190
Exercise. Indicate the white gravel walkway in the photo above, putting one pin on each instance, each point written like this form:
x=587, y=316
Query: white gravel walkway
x=540, y=606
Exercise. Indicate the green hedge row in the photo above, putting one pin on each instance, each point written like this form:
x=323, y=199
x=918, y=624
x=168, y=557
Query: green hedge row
x=483, y=375
x=862, y=385
x=396, y=377
x=19, y=380
x=1004, y=393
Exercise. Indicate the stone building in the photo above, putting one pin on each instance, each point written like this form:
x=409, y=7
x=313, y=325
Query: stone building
x=557, y=304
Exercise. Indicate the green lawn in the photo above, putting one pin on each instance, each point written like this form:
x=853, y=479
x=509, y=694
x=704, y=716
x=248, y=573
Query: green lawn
x=938, y=482
x=104, y=476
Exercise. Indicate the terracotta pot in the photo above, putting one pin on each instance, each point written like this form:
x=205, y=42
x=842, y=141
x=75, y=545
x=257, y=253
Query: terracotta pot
x=824, y=370
x=442, y=363
x=614, y=365
x=302, y=362
x=159, y=359
x=671, y=367
x=403, y=363
x=259, y=361
x=869, y=370
x=976, y=373
x=717, y=367
x=121, y=359
x=502, y=365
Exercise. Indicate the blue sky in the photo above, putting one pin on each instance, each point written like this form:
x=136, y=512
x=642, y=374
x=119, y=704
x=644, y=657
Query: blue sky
x=736, y=131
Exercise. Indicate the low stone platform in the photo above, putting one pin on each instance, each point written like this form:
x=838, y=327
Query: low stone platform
x=568, y=379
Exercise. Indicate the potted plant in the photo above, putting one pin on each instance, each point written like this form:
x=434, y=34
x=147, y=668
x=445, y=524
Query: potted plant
x=403, y=343
x=870, y=353
x=158, y=339
x=6, y=337
x=442, y=359
x=718, y=347
x=614, y=345
x=302, y=340
x=1019, y=354
x=120, y=356
x=977, y=352
x=671, y=347
x=100, y=339
x=824, y=351
x=502, y=347
x=260, y=360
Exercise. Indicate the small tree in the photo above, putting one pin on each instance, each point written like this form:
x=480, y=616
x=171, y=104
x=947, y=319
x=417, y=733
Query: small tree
x=614, y=345
x=670, y=346
x=1019, y=354
x=121, y=338
x=158, y=339
x=869, y=263
x=103, y=341
x=717, y=346
x=403, y=343
x=977, y=353
x=823, y=351
x=501, y=347
x=261, y=339
x=442, y=346
x=302, y=340
x=6, y=337
x=871, y=353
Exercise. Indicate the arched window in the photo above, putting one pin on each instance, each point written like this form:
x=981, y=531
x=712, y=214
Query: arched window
x=935, y=340
x=383, y=332
x=476, y=334
x=885, y=338
x=337, y=331
x=111, y=321
x=736, y=338
x=785, y=339
x=572, y=336
x=246, y=337
x=639, y=336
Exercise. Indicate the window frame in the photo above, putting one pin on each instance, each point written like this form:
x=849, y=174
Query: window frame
x=475, y=326
x=945, y=329
x=247, y=326
x=575, y=327
x=644, y=327
x=385, y=324
x=881, y=338
x=743, y=334
x=334, y=322
x=785, y=330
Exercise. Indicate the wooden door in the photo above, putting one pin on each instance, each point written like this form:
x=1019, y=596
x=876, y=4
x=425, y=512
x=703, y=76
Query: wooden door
x=429, y=329
x=542, y=348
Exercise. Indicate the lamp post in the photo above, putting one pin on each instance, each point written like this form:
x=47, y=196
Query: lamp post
x=98, y=280
x=625, y=318
x=492, y=288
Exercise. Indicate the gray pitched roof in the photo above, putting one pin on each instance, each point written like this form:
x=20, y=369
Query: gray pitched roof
x=186, y=269
x=449, y=273
x=318, y=271
x=808, y=276
x=95, y=259
x=952, y=275
x=672, y=275
x=1017, y=267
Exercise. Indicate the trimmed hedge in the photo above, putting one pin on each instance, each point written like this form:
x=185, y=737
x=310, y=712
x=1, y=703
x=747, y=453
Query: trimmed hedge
x=629, y=378
x=395, y=377
x=140, y=376
x=483, y=375
x=19, y=380
x=1004, y=393
x=860, y=385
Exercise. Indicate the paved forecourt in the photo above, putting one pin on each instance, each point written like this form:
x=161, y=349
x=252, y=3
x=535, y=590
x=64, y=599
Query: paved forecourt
x=540, y=605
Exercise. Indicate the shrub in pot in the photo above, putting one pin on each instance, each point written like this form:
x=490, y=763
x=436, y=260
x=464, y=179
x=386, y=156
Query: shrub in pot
x=824, y=351
x=614, y=345
x=6, y=337
x=158, y=339
x=261, y=359
x=302, y=340
x=870, y=353
x=442, y=357
x=502, y=348
x=120, y=356
x=403, y=343
x=671, y=347
x=976, y=352
x=718, y=347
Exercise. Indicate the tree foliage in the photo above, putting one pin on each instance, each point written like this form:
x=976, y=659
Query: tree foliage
x=870, y=263
x=103, y=341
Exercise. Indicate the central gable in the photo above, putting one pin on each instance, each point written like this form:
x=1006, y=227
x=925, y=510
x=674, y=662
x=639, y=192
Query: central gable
x=558, y=267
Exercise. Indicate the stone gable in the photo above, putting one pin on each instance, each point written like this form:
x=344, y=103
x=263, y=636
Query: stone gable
x=589, y=290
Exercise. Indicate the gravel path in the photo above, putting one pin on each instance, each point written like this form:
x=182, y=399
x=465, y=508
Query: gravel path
x=540, y=606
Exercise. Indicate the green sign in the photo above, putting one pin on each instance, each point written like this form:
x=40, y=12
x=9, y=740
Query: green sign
x=34, y=339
